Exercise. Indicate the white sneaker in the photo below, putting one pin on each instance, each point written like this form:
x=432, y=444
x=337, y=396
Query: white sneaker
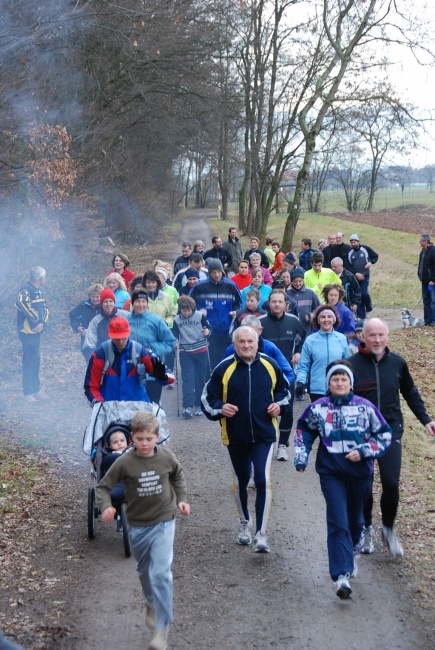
x=244, y=536
x=343, y=587
x=251, y=483
x=159, y=640
x=282, y=453
x=260, y=543
x=150, y=616
x=29, y=398
x=187, y=413
x=368, y=546
x=356, y=558
x=391, y=540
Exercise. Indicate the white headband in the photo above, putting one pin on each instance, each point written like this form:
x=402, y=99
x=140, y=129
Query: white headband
x=327, y=311
x=339, y=366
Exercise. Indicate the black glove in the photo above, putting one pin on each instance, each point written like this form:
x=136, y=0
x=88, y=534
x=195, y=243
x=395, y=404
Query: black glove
x=159, y=369
x=300, y=389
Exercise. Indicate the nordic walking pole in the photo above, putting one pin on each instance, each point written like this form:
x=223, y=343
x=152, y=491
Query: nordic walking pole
x=176, y=380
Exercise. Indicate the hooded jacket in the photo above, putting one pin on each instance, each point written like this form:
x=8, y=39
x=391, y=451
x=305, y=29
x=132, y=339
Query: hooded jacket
x=252, y=387
x=382, y=382
x=307, y=301
x=218, y=299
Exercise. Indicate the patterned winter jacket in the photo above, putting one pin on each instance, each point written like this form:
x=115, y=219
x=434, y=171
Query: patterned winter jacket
x=343, y=424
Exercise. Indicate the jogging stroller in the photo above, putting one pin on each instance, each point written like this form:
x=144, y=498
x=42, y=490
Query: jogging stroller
x=106, y=415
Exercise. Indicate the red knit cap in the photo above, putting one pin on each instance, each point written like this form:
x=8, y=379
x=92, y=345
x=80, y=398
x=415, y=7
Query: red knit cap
x=106, y=293
x=118, y=328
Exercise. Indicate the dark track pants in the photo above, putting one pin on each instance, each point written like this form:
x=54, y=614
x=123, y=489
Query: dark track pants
x=260, y=453
x=31, y=362
x=194, y=371
x=389, y=472
x=345, y=499
x=216, y=347
x=286, y=422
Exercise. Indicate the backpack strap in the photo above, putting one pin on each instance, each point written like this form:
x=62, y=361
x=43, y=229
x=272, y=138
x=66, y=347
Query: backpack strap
x=110, y=358
x=135, y=358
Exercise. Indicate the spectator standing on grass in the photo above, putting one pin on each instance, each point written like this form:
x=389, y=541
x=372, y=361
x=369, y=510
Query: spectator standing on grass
x=219, y=253
x=305, y=254
x=352, y=433
x=234, y=247
x=382, y=376
x=191, y=328
x=287, y=333
x=81, y=316
x=318, y=277
x=360, y=259
x=183, y=260
x=32, y=316
x=426, y=275
x=155, y=489
x=352, y=290
x=246, y=393
x=217, y=298
x=255, y=243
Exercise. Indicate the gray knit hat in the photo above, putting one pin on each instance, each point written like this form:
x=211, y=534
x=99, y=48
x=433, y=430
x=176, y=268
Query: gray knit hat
x=213, y=264
x=354, y=236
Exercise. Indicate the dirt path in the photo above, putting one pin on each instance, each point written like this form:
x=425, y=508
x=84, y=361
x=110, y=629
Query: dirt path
x=226, y=597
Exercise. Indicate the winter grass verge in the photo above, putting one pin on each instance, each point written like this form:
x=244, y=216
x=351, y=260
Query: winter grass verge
x=20, y=471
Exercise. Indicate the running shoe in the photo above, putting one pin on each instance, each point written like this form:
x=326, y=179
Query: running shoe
x=260, y=543
x=244, y=536
x=356, y=558
x=343, y=587
x=187, y=413
x=282, y=453
x=159, y=640
x=198, y=412
x=391, y=540
x=368, y=546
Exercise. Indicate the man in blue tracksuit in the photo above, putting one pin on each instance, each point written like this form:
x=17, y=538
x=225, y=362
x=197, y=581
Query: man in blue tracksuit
x=360, y=259
x=246, y=393
x=218, y=299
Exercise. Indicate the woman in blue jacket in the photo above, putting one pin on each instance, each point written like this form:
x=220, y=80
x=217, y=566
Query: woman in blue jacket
x=318, y=350
x=334, y=294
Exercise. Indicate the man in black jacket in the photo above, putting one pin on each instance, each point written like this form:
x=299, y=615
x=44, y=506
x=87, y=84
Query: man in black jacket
x=426, y=274
x=360, y=259
x=288, y=334
x=31, y=319
x=350, y=284
x=340, y=249
x=381, y=376
x=219, y=253
x=183, y=261
x=255, y=242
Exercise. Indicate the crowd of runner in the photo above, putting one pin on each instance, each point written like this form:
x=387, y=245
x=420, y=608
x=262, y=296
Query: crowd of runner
x=256, y=329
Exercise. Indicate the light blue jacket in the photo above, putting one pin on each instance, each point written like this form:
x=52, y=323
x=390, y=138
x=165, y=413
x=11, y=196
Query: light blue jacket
x=318, y=351
x=152, y=331
x=264, y=290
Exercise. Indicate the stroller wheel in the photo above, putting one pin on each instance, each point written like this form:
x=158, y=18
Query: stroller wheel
x=125, y=537
x=92, y=513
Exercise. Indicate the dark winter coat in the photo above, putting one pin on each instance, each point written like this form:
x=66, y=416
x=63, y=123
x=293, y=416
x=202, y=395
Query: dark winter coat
x=219, y=254
x=426, y=265
x=357, y=258
x=262, y=254
x=235, y=249
x=81, y=316
x=351, y=288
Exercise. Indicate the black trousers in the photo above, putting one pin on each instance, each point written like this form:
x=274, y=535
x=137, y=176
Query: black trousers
x=31, y=362
x=389, y=471
x=216, y=347
x=286, y=423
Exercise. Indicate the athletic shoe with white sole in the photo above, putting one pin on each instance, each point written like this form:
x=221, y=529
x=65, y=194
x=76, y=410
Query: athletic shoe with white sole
x=282, y=453
x=198, y=412
x=343, y=587
x=391, y=540
x=260, y=543
x=368, y=546
x=159, y=640
x=244, y=536
x=251, y=483
x=356, y=558
x=150, y=616
x=187, y=413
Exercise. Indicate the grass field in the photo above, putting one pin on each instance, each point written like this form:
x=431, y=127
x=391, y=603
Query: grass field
x=394, y=282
